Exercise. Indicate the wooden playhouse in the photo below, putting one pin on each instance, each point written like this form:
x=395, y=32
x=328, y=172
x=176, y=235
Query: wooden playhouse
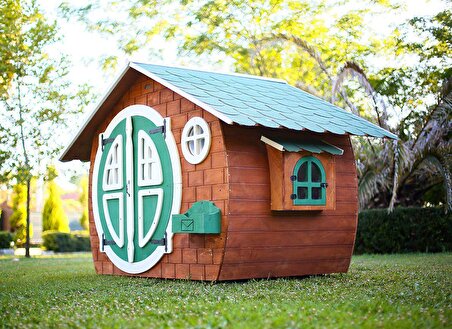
x=213, y=176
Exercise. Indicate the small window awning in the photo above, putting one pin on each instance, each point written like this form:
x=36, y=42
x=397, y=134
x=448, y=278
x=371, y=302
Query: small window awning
x=311, y=145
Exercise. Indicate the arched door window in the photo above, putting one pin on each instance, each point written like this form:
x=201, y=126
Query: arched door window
x=309, y=182
x=149, y=165
x=113, y=166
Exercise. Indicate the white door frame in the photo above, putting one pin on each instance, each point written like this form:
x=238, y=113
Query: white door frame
x=157, y=119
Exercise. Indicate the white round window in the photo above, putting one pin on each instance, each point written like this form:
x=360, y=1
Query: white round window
x=195, y=140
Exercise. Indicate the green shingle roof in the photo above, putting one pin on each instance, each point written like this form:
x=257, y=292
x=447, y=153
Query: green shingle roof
x=249, y=100
x=312, y=145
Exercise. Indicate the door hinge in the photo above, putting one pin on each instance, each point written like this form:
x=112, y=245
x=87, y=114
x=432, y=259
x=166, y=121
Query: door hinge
x=324, y=185
x=161, y=130
x=161, y=242
x=106, y=242
x=106, y=141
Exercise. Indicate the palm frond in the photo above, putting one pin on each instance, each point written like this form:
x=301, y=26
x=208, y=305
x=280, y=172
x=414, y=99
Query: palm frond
x=442, y=163
x=366, y=187
x=373, y=171
x=396, y=176
x=312, y=52
x=353, y=70
x=309, y=89
x=438, y=122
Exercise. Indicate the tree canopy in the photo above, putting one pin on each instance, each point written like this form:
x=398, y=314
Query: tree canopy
x=35, y=95
x=18, y=219
x=394, y=73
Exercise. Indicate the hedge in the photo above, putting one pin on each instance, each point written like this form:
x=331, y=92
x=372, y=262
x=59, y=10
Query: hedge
x=66, y=242
x=404, y=230
x=5, y=239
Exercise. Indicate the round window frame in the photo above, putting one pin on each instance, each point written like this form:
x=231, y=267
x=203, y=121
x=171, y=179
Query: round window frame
x=188, y=155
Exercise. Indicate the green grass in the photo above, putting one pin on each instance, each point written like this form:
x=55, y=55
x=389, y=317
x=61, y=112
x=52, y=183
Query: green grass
x=393, y=291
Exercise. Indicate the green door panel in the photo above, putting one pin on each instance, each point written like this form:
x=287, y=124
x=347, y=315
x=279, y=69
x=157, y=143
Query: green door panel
x=113, y=210
x=155, y=198
x=150, y=203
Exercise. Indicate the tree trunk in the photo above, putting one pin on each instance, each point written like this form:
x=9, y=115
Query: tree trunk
x=27, y=239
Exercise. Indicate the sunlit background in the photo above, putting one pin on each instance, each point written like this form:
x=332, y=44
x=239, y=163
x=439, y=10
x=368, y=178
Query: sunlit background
x=97, y=55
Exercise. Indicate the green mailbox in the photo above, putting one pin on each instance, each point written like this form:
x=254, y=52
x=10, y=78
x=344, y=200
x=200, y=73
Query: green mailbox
x=202, y=217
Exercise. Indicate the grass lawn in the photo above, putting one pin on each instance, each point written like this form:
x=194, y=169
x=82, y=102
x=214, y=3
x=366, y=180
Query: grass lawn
x=392, y=291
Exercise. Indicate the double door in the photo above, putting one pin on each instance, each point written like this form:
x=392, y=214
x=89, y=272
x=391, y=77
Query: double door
x=136, y=188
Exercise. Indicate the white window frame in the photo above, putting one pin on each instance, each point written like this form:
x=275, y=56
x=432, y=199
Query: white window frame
x=151, y=163
x=117, y=145
x=143, y=238
x=192, y=148
x=117, y=238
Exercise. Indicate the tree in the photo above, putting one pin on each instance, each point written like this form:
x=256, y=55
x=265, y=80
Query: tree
x=53, y=215
x=249, y=35
x=35, y=96
x=18, y=219
x=84, y=219
x=423, y=156
x=327, y=48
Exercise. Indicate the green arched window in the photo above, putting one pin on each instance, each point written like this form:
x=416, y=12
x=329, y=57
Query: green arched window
x=309, y=182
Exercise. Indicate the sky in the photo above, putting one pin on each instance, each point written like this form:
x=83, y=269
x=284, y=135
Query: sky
x=85, y=49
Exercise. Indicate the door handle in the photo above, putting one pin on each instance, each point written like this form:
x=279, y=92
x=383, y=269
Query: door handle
x=127, y=188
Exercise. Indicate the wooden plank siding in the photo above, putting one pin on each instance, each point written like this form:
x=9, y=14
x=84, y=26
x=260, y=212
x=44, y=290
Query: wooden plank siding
x=262, y=243
x=194, y=256
x=255, y=242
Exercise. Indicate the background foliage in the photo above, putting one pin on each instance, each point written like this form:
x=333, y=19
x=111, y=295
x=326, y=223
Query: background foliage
x=53, y=215
x=66, y=242
x=397, y=76
x=84, y=219
x=36, y=97
x=18, y=219
x=404, y=230
x=5, y=239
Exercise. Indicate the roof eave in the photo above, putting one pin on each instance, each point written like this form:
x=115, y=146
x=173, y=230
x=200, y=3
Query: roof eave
x=72, y=151
x=182, y=93
x=64, y=156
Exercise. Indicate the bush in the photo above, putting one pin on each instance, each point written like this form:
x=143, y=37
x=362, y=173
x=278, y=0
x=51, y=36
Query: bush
x=18, y=219
x=53, y=216
x=404, y=230
x=5, y=240
x=66, y=242
x=84, y=221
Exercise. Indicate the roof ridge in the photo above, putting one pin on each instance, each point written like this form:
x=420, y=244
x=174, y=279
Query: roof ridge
x=241, y=75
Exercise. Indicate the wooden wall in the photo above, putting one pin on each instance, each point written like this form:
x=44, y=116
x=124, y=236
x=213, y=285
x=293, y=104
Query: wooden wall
x=261, y=243
x=255, y=242
x=194, y=256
